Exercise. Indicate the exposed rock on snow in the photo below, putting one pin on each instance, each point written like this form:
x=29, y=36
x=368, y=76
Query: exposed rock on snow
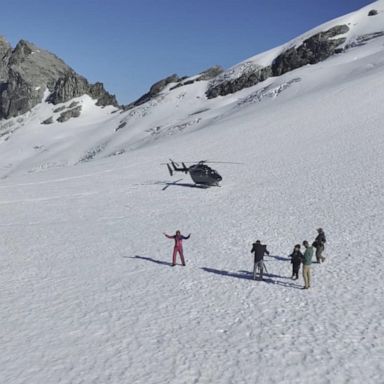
x=269, y=91
x=92, y=153
x=208, y=74
x=313, y=50
x=66, y=115
x=363, y=39
x=57, y=110
x=48, y=121
x=121, y=126
x=226, y=84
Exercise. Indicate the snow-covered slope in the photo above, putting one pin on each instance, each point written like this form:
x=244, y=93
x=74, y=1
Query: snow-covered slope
x=88, y=295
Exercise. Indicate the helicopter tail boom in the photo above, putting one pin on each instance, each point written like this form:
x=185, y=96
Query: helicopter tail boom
x=176, y=167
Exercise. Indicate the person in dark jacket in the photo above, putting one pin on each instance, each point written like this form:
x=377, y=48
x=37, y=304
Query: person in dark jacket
x=319, y=245
x=259, y=250
x=178, y=248
x=296, y=260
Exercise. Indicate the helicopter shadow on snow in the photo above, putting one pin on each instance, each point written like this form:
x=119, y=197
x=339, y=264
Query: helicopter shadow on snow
x=177, y=183
x=249, y=276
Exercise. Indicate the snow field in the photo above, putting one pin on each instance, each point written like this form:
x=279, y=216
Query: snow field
x=88, y=295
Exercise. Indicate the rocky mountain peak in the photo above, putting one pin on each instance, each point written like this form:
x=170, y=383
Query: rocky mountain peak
x=27, y=71
x=21, y=51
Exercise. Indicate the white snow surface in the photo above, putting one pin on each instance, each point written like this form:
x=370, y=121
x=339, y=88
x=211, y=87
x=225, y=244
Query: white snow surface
x=87, y=291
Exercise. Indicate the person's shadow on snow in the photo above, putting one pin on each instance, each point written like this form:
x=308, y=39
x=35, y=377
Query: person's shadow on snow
x=283, y=283
x=239, y=275
x=267, y=274
x=249, y=276
x=145, y=258
x=280, y=258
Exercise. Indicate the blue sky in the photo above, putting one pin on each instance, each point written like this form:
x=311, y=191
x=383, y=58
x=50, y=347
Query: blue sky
x=128, y=45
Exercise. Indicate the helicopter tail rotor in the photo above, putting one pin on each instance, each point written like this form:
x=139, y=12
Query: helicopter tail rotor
x=170, y=170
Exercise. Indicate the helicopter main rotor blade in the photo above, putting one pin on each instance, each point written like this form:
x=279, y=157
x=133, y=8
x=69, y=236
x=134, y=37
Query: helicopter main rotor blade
x=201, y=162
x=223, y=162
x=211, y=162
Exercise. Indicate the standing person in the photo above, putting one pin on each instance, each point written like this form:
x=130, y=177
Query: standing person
x=296, y=259
x=319, y=245
x=259, y=250
x=307, y=261
x=178, y=248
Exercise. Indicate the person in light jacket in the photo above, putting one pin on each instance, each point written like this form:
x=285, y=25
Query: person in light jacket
x=307, y=261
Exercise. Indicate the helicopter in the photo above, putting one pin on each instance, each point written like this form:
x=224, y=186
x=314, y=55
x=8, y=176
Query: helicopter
x=201, y=174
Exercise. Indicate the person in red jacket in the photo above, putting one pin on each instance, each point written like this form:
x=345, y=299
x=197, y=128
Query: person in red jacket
x=178, y=248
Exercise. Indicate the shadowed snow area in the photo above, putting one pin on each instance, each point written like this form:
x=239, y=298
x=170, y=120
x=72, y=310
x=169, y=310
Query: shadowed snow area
x=88, y=293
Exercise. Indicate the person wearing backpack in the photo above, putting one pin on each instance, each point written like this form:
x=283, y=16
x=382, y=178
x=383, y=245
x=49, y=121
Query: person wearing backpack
x=259, y=250
x=319, y=245
x=296, y=260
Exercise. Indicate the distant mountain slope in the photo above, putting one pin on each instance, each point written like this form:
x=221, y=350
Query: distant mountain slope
x=67, y=123
x=314, y=46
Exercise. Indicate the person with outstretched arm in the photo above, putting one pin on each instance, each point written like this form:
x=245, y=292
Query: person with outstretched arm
x=259, y=250
x=178, y=248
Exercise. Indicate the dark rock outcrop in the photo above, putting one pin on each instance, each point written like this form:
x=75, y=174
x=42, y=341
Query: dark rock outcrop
x=48, y=121
x=16, y=95
x=27, y=71
x=66, y=115
x=121, y=126
x=372, y=12
x=68, y=87
x=313, y=50
x=97, y=91
x=208, y=74
x=73, y=85
x=247, y=79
